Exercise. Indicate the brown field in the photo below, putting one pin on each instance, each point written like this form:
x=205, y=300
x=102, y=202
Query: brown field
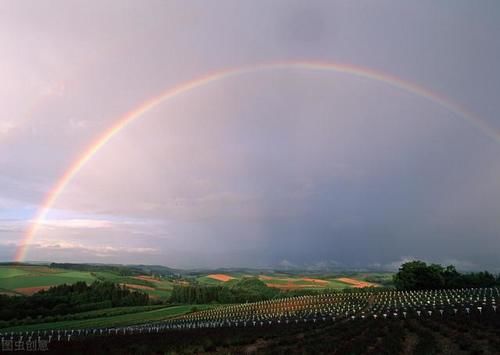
x=220, y=277
x=290, y=286
x=138, y=287
x=28, y=291
x=323, y=282
x=356, y=283
x=291, y=283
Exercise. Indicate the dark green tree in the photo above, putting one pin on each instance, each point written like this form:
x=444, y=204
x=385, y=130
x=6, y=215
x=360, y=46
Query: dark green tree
x=417, y=275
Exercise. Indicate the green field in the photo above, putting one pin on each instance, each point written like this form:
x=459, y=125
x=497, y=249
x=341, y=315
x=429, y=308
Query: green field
x=13, y=279
x=338, y=285
x=205, y=280
x=296, y=281
x=6, y=272
x=18, y=279
x=137, y=317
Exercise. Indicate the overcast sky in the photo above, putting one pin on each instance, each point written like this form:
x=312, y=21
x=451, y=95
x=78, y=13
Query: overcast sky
x=290, y=167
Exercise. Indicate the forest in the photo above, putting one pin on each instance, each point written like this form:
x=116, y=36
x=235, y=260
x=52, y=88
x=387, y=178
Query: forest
x=65, y=299
x=245, y=290
x=417, y=275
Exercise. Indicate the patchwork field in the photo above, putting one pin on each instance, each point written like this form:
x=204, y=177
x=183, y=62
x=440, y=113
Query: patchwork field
x=356, y=283
x=29, y=279
x=26, y=280
x=294, y=282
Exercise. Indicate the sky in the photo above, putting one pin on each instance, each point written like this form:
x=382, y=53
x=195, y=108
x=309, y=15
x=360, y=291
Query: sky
x=288, y=167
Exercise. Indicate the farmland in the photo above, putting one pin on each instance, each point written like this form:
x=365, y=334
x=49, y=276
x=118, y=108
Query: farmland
x=457, y=321
x=369, y=336
x=294, y=281
x=28, y=279
x=114, y=317
x=264, y=312
x=20, y=279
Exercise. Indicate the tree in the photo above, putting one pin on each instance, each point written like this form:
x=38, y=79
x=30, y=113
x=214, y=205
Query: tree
x=417, y=275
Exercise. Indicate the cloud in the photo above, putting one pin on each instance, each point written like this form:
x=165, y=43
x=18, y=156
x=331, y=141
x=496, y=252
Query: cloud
x=6, y=127
x=462, y=265
x=107, y=250
x=395, y=265
x=286, y=265
x=65, y=249
x=77, y=223
x=305, y=166
x=13, y=226
x=79, y=124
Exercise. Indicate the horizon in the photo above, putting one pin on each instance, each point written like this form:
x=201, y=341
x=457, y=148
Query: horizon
x=283, y=266
x=244, y=135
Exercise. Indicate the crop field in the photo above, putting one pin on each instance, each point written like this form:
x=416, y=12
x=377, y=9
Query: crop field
x=356, y=283
x=459, y=321
x=30, y=279
x=220, y=277
x=27, y=279
x=113, y=317
x=294, y=282
x=458, y=336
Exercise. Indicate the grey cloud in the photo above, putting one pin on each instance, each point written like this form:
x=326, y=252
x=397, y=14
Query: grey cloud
x=291, y=165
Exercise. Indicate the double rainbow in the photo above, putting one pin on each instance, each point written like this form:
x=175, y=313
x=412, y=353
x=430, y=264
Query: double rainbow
x=185, y=87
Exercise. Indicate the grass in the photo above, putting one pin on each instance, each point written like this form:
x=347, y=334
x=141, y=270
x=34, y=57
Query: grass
x=205, y=280
x=113, y=321
x=106, y=312
x=6, y=272
x=162, y=288
x=80, y=275
x=338, y=285
x=106, y=275
x=13, y=283
x=15, y=277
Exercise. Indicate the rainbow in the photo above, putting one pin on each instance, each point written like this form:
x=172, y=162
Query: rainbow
x=185, y=87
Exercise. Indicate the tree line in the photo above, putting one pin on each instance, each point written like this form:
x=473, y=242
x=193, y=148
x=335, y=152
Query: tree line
x=117, y=269
x=65, y=299
x=249, y=289
x=240, y=291
x=418, y=275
